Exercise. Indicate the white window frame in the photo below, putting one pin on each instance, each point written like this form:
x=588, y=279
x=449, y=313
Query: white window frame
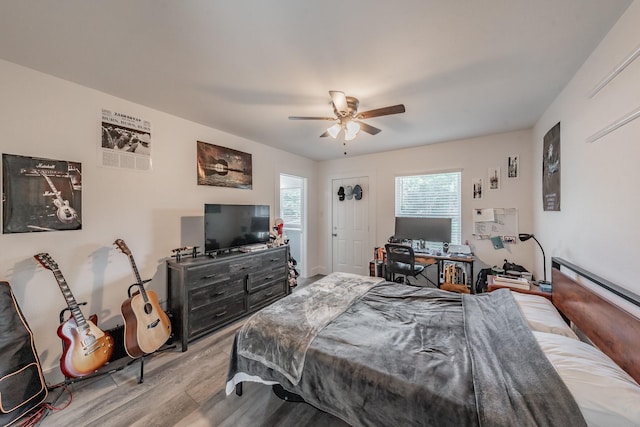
x=409, y=203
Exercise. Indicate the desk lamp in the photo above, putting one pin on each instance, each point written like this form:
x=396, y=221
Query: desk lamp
x=523, y=238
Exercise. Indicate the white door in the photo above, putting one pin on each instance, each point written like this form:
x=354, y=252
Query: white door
x=352, y=250
x=293, y=213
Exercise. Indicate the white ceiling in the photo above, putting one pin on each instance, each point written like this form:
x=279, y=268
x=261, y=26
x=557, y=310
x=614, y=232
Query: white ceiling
x=462, y=68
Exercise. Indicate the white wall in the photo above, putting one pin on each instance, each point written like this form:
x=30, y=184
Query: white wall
x=473, y=156
x=153, y=212
x=597, y=227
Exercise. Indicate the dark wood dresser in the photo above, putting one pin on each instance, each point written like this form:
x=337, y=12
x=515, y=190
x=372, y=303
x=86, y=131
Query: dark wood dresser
x=207, y=293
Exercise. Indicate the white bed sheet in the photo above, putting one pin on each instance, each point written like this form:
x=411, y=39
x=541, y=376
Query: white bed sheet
x=542, y=315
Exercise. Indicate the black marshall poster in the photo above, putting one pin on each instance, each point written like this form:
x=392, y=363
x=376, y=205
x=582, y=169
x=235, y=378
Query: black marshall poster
x=40, y=194
x=551, y=170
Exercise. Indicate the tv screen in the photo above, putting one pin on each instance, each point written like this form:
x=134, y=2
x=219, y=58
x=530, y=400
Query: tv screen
x=428, y=229
x=232, y=226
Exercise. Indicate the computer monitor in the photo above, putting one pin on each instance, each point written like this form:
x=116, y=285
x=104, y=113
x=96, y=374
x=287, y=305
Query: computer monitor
x=427, y=229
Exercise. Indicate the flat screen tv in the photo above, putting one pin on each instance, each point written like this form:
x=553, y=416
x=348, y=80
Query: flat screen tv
x=427, y=229
x=231, y=226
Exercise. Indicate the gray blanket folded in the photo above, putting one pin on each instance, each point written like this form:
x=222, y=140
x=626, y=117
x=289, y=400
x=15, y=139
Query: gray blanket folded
x=400, y=355
x=278, y=336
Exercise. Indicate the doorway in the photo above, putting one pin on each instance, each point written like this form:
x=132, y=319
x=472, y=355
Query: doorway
x=351, y=248
x=293, y=202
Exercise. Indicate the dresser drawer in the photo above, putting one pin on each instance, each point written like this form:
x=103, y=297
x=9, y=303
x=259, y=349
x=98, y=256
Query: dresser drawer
x=207, y=275
x=267, y=294
x=241, y=264
x=262, y=278
x=219, y=290
x=275, y=258
x=209, y=316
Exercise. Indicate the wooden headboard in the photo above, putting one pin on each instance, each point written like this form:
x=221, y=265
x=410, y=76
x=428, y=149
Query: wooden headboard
x=611, y=328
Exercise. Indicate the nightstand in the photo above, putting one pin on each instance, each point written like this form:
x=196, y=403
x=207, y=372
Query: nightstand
x=533, y=289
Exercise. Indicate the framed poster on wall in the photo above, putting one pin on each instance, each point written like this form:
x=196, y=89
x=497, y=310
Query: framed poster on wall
x=223, y=167
x=40, y=194
x=551, y=170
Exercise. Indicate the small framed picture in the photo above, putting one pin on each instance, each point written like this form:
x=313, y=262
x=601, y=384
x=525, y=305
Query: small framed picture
x=513, y=166
x=477, y=188
x=494, y=178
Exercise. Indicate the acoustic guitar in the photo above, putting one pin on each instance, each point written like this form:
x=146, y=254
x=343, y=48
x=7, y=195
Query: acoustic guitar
x=220, y=167
x=146, y=325
x=85, y=346
x=65, y=213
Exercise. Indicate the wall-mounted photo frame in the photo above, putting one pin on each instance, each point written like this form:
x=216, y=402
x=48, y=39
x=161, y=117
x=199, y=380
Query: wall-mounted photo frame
x=223, y=167
x=551, y=169
x=513, y=166
x=494, y=179
x=477, y=188
x=40, y=194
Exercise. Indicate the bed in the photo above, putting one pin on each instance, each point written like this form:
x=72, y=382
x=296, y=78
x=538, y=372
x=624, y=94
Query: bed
x=377, y=353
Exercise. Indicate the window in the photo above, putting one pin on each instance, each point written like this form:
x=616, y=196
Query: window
x=434, y=195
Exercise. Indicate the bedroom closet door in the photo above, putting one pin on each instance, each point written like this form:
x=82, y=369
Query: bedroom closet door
x=350, y=227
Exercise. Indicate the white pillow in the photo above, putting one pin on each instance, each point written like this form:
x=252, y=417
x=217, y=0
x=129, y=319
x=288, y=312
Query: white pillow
x=542, y=315
x=606, y=395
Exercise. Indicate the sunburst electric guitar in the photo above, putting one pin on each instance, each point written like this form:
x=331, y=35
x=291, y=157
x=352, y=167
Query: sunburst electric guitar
x=146, y=325
x=85, y=346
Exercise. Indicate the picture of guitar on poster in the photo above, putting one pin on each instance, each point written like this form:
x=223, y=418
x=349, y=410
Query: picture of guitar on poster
x=41, y=194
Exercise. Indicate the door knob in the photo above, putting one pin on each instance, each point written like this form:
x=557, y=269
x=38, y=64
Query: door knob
x=334, y=234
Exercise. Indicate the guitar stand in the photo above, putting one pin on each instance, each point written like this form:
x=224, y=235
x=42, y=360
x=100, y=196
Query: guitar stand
x=136, y=284
x=69, y=380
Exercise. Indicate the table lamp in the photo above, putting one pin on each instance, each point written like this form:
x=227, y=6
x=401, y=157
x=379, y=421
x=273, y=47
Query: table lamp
x=523, y=238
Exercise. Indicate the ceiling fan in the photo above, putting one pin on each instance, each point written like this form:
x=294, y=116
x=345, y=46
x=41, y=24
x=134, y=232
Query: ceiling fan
x=347, y=117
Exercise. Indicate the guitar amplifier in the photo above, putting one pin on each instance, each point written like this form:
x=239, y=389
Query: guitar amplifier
x=119, y=351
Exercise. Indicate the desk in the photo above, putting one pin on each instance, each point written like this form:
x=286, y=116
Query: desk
x=429, y=258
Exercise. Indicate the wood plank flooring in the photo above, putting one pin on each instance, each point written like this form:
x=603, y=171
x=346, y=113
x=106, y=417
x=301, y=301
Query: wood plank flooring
x=181, y=389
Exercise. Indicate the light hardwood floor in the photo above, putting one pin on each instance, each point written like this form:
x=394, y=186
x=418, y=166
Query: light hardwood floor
x=181, y=389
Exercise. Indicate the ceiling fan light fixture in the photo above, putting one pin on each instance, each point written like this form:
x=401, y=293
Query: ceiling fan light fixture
x=334, y=130
x=353, y=128
x=348, y=136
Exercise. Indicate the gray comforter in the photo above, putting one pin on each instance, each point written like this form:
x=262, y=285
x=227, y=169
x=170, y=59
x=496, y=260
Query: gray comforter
x=401, y=355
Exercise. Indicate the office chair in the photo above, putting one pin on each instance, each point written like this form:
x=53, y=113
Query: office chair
x=401, y=260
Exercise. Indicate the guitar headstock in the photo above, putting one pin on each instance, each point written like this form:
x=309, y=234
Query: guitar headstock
x=46, y=261
x=122, y=246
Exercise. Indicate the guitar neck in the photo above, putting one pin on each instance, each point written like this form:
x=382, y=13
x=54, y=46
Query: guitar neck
x=143, y=292
x=54, y=190
x=81, y=322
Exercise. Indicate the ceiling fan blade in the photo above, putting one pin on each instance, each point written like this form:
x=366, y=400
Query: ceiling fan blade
x=368, y=128
x=339, y=102
x=385, y=111
x=325, y=134
x=310, y=118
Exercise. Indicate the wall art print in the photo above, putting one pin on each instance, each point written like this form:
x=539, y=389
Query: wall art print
x=40, y=194
x=125, y=141
x=513, y=166
x=494, y=178
x=223, y=167
x=551, y=169
x=477, y=188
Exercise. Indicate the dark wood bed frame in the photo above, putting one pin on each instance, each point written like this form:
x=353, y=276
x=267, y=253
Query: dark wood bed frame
x=609, y=327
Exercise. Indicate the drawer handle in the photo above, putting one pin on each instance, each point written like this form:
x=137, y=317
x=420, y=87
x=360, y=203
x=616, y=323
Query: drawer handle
x=210, y=276
x=268, y=278
x=217, y=294
x=268, y=295
x=221, y=314
x=275, y=259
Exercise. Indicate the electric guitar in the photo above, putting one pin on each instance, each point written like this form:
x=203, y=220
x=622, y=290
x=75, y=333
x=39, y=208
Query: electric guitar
x=146, y=326
x=65, y=212
x=85, y=346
